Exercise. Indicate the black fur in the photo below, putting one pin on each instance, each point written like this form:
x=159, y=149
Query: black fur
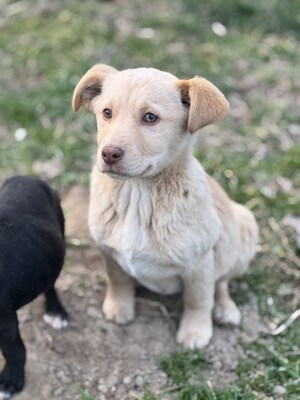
x=32, y=250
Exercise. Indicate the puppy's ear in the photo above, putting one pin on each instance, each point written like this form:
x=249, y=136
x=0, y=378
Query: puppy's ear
x=90, y=85
x=205, y=102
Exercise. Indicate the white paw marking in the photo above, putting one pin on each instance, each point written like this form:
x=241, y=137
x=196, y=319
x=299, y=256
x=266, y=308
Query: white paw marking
x=55, y=321
x=5, y=395
x=227, y=315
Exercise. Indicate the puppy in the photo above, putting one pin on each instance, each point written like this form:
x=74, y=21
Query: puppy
x=156, y=215
x=32, y=252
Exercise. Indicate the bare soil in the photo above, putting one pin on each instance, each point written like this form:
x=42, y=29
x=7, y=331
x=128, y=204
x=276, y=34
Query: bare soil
x=110, y=361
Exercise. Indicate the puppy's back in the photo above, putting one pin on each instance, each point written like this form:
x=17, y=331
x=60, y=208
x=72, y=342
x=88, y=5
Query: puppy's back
x=31, y=239
x=29, y=197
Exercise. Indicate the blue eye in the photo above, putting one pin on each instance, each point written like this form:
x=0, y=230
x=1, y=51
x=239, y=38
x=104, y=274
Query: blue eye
x=107, y=112
x=150, y=118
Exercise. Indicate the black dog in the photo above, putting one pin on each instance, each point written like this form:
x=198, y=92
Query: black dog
x=32, y=250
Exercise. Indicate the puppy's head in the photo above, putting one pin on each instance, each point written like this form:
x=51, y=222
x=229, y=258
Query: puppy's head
x=145, y=116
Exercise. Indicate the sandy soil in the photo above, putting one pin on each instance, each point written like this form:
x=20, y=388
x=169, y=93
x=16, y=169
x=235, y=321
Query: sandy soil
x=109, y=361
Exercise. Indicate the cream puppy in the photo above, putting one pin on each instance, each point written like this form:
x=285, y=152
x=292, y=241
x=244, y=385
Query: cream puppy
x=156, y=215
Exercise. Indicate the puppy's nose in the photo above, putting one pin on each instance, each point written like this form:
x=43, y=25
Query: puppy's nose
x=111, y=154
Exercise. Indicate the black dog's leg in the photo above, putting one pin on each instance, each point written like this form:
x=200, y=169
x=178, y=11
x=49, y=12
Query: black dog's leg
x=56, y=315
x=12, y=377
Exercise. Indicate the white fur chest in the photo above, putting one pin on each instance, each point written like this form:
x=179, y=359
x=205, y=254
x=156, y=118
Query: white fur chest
x=154, y=235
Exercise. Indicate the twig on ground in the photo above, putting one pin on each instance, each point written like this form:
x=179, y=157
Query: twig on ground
x=292, y=318
x=209, y=384
x=170, y=389
x=161, y=307
x=182, y=386
x=288, y=270
x=48, y=337
x=284, y=241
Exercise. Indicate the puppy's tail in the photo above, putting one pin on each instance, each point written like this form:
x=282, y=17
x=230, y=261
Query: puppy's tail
x=249, y=235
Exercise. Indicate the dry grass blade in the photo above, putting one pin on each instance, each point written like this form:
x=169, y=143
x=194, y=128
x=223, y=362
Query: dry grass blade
x=284, y=241
x=292, y=318
x=288, y=270
x=161, y=307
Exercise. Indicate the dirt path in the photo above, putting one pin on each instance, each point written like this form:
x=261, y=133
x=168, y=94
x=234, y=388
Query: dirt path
x=109, y=361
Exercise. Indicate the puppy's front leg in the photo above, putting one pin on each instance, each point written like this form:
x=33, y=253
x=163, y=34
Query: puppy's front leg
x=195, y=330
x=119, y=303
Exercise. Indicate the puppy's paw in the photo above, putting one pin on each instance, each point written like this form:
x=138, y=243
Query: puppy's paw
x=194, y=338
x=56, y=321
x=4, y=395
x=118, y=311
x=11, y=380
x=227, y=314
x=194, y=331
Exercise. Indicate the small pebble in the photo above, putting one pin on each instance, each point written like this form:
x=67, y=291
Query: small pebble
x=93, y=312
x=279, y=389
x=139, y=381
x=112, y=380
x=58, y=392
x=218, y=365
x=162, y=374
x=127, y=380
x=103, y=388
x=63, y=377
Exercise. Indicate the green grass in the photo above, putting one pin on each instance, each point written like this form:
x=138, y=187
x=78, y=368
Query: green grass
x=84, y=395
x=183, y=366
x=254, y=153
x=269, y=362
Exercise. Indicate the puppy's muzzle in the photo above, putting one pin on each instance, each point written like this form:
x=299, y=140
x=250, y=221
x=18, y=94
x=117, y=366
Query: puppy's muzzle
x=111, y=154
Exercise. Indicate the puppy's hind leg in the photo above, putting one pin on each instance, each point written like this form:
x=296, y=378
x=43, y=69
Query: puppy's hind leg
x=55, y=315
x=12, y=378
x=225, y=310
x=119, y=302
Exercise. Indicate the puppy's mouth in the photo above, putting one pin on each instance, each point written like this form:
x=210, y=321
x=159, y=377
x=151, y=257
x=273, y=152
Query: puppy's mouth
x=116, y=175
x=108, y=170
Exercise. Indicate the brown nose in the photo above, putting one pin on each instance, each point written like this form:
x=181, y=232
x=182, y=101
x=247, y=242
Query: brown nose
x=111, y=154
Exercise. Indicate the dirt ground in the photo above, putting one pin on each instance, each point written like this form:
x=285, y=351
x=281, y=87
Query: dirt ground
x=109, y=361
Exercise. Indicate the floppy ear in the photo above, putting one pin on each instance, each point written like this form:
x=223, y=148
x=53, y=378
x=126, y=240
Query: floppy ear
x=90, y=85
x=205, y=102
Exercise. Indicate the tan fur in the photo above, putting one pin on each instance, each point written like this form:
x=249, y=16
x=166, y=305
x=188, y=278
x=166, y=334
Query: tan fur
x=156, y=215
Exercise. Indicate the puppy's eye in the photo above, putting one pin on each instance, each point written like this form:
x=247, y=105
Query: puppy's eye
x=150, y=118
x=107, y=112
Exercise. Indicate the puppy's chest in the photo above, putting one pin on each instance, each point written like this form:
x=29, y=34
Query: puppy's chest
x=153, y=238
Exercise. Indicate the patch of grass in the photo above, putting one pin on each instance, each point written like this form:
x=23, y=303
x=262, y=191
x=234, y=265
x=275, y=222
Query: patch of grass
x=243, y=15
x=185, y=369
x=183, y=366
x=84, y=395
x=269, y=363
x=148, y=395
